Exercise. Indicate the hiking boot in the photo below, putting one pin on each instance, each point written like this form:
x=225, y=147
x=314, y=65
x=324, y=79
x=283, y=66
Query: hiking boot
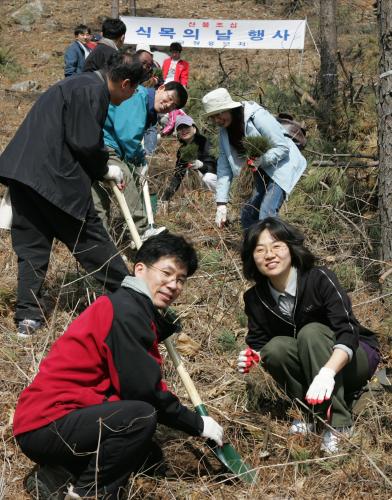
x=26, y=327
x=152, y=231
x=301, y=427
x=48, y=482
x=333, y=438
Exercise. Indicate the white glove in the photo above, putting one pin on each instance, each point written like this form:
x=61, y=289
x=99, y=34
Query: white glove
x=212, y=430
x=159, y=138
x=322, y=386
x=221, y=215
x=246, y=359
x=114, y=174
x=195, y=165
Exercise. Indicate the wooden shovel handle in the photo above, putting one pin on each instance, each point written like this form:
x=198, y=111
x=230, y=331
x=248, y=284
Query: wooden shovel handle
x=146, y=196
x=184, y=375
x=176, y=358
x=127, y=214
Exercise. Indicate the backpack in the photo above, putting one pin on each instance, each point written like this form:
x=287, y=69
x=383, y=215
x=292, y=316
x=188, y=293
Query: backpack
x=294, y=130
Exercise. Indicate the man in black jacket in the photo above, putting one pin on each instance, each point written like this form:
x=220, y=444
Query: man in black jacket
x=113, y=34
x=49, y=166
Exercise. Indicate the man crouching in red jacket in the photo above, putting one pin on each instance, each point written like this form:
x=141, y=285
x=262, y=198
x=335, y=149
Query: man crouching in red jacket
x=89, y=415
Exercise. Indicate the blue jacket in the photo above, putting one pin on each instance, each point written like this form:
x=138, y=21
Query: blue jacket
x=125, y=125
x=74, y=59
x=283, y=163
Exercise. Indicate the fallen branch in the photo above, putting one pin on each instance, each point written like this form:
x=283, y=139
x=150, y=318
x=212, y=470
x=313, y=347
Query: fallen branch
x=330, y=163
x=341, y=155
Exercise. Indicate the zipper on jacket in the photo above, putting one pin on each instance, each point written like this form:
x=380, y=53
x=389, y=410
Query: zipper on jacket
x=281, y=317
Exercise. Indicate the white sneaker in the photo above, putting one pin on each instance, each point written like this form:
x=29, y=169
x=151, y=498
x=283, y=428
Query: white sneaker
x=332, y=438
x=27, y=327
x=152, y=231
x=301, y=427
x=71, y=494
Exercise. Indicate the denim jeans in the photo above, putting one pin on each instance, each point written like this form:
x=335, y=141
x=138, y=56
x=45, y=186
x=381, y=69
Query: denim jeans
x=150, y=140
x=266, y=201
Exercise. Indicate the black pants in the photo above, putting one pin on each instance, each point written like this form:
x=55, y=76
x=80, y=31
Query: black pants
x=36, y=222
x=101, y=445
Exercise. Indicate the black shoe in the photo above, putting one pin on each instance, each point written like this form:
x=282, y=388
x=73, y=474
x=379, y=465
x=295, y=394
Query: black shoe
x=48, y=482
x=154, y=464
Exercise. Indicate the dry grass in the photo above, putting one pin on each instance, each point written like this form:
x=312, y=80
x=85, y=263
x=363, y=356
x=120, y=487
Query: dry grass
x=254, y=412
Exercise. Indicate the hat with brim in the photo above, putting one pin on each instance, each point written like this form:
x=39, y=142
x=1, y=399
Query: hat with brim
x=184, y=120
x=141, y=47
x=217, y=101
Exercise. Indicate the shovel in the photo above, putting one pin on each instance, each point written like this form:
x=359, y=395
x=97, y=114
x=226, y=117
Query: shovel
x=226, y=454
x=147, y=199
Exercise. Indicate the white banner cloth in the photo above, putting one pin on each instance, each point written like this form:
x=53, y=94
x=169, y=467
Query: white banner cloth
x=216, y=34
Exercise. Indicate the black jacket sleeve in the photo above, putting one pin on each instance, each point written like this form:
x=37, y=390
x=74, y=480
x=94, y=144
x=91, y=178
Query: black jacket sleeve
x=337, y=307
x=257, y=335
x=175, y=182
x=85, y=115
x=134, y=347
x=204, y=155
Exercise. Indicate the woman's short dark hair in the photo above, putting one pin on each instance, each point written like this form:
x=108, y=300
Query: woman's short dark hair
x=181, y=92
x=236, y=129
x=301, y=257
x=175, y=47
x=168, y=245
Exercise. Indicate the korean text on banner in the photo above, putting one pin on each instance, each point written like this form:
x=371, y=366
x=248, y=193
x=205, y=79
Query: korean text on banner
x=210, y=33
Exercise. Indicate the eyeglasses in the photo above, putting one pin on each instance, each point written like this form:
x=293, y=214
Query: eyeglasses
x=276, y=248
x=168, y=276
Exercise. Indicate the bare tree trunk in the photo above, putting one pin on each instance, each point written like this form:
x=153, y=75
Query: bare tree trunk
x=384, y=14
x=328, y=78
x=115, y=9
x=132, y=7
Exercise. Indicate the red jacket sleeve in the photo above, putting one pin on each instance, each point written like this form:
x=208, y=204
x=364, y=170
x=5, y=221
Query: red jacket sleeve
x=184, y=74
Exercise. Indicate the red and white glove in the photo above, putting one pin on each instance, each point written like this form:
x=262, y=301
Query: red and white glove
x=246, y=359
x=212, y=430
x=322, y=386
x=195, y=165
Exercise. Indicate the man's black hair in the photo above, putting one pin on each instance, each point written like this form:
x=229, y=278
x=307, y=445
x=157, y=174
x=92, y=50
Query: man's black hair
x=181, y=92
x=80, y=29
x=175, y=47
x=113, y=28
x=168, y=245
x=301, y=258
x=121, y=66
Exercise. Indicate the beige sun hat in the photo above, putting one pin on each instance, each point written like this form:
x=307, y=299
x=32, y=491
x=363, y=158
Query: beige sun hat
x=218, y=100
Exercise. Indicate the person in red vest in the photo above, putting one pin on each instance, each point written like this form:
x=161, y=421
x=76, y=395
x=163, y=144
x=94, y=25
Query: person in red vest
x=174, y=68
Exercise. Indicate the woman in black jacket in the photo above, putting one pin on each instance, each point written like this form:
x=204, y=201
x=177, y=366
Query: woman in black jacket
x=302, y=328
x=204, y=164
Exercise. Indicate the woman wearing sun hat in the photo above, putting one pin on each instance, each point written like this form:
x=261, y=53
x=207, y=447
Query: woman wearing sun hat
x=278, y=170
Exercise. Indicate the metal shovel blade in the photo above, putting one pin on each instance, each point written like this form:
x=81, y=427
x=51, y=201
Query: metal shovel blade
x=229, y=457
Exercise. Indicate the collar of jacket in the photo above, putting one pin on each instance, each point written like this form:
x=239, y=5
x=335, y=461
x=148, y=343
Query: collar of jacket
x=264, y=293
x=108, y=42
x=167, y=321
